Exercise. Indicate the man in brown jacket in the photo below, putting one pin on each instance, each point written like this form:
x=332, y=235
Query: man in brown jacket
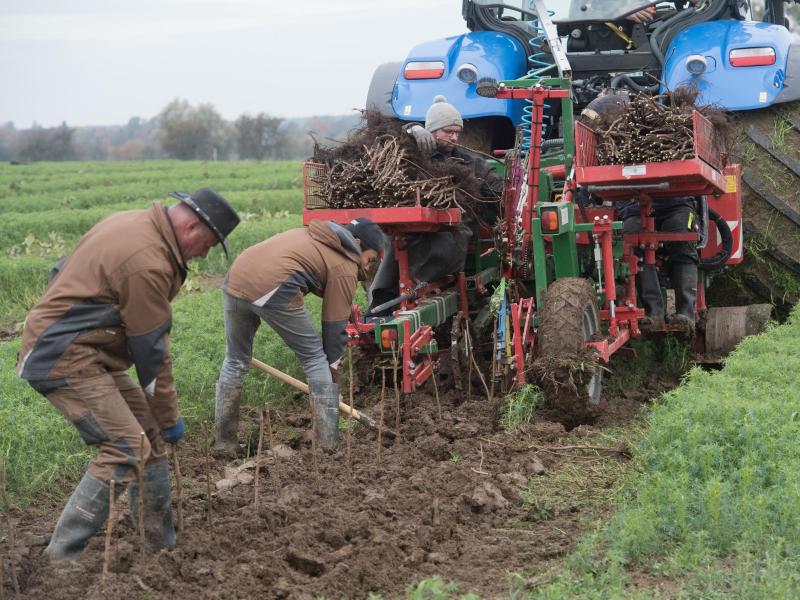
x=107, y=308
x=268, y=282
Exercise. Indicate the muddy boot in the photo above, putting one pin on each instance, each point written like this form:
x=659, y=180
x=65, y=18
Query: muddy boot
x=325, y=399
x=82, y=517
x=652, y=299
x=159, y=529
x=226, y=421
x=684, y=280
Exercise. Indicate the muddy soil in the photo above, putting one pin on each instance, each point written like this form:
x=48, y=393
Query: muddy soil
x=451, y=497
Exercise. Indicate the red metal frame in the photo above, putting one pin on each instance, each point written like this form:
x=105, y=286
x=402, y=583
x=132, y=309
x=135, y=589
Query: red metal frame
x=519, y=331
x=396, y=221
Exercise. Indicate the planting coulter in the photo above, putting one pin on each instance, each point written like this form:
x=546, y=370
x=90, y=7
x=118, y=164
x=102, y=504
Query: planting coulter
x=548, y=293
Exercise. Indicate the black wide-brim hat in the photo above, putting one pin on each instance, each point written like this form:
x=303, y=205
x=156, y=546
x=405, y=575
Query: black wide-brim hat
x=213, y=210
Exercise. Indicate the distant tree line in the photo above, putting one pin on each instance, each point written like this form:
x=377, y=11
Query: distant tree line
x=181, y=131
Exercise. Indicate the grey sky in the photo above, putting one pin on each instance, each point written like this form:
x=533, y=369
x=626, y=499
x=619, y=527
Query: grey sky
x=99, y=62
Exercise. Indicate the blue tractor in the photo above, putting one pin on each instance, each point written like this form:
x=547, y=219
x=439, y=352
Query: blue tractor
x=741, y=57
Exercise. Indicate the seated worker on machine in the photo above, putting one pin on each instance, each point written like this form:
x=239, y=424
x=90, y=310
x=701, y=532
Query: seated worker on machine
x=432, y=256
x=676, y=215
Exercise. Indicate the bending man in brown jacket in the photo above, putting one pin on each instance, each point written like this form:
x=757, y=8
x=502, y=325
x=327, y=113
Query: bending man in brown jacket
x=268, y=282
x=108, y=307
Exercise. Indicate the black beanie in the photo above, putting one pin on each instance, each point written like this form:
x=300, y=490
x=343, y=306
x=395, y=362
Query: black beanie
x=368, y=232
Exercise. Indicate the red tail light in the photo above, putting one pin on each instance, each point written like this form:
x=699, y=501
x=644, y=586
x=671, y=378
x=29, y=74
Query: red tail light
x=388, y=338
x=549, y=221
x=433, y=69
x=752, y=57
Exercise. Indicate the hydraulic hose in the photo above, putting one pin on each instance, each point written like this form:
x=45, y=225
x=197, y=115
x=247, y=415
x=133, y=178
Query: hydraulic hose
x=716, y=262
x=628, y=80
x=654, y=44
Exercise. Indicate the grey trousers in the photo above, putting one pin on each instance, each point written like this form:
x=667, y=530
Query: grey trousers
x=295, y=327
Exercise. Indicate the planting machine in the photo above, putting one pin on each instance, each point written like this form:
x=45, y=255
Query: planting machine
x=548, y=291
x=741, y=56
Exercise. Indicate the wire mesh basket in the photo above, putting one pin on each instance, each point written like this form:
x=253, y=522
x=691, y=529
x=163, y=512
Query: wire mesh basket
x=315, y=185
x=698, y=175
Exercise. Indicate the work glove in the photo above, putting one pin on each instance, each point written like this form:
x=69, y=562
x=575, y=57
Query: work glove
x=171, y=435
x=424, y=139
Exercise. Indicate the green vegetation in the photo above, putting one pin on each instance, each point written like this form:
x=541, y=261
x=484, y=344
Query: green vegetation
x=715, y=501
x=45, y=208
x=519, y=407
x=436, y=588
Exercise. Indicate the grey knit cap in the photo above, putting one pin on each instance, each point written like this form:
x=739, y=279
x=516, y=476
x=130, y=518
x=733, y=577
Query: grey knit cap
x=441, y=114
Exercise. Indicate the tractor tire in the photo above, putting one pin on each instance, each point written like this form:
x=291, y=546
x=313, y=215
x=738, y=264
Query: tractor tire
x=379, y=95
x=569, y=375
x=768, y=149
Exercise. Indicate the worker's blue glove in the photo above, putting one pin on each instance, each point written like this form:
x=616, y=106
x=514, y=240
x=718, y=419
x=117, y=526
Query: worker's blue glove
x=424, y=138
x=171, y=435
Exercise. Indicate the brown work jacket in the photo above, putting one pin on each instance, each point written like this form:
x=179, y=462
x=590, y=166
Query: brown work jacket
x=108, y=307
x=323, y=259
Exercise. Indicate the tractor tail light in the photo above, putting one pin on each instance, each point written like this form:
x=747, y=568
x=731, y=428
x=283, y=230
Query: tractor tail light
x=549, y=221
x=432, y=69
x=388, y=338
x=752, y=57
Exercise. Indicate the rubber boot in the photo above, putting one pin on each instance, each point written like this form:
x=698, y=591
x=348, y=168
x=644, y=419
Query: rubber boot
x=83, y=516
x=159, y=528
x=684, y=280
x=325, y=399
x=652, y=299
x=226, y=421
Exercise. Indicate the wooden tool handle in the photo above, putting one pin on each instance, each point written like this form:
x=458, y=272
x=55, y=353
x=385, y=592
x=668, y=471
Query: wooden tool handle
x=303, y=387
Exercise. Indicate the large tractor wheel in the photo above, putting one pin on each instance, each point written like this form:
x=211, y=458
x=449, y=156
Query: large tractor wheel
x=769, y=152
x=569, y=373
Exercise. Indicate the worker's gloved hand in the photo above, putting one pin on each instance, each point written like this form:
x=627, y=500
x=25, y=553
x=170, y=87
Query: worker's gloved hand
x=336, y=374
x=171, y=435
x=424, y=138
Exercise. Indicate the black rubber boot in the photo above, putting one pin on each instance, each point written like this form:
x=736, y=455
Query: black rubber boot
x=325, y=399
x=83, y=516
x=684, y=280
x=159, y=528
x=652, y=299
x=226, y=421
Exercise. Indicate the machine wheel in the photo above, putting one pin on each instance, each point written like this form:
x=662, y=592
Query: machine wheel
x=568, y=373
x=379, y=95
x=769, y=152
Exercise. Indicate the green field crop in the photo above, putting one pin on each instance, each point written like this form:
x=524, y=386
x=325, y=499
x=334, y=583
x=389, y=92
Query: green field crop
x=43, y=453
x=715, y=501
x=45, y=209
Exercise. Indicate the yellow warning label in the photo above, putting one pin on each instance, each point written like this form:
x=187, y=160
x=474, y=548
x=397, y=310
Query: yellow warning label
x=730, y=186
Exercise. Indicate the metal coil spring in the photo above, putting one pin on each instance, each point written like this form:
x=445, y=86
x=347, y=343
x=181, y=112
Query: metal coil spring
x=537, y=64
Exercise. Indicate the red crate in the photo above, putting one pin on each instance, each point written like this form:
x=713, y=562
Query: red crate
x=398, y=218
x=696, y=176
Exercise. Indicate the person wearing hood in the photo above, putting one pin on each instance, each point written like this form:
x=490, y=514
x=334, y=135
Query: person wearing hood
x=107, y=307
x=267, y=282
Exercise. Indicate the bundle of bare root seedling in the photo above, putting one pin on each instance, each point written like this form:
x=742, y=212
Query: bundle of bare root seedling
x=379, y=165
x=656, y=129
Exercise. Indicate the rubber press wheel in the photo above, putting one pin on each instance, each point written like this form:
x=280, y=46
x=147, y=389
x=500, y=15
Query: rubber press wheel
x=569, y=373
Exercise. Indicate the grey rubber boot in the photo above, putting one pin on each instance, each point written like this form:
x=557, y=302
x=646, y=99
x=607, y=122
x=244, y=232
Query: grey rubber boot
x=159, y=528
x=684, y=280
x=226, y=421
x=325, y=399
x=652, y=299
x=83, y=516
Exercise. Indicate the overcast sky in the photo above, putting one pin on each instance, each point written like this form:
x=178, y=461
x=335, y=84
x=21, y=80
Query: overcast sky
x=100, y=62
